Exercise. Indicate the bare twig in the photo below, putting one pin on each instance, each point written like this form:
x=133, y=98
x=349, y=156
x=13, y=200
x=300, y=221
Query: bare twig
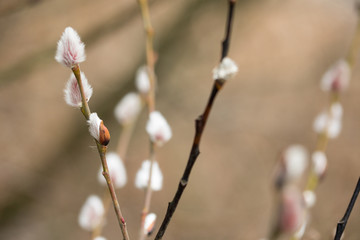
x=124, y=140
x=121, y=220
x=342, y=223
x=150, y=54
x=150, y=60
x=148, y=193
x=199, y=128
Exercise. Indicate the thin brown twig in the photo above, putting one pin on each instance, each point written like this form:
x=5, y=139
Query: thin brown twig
x=150, y=99
x=85, y=109
x=148, y=193
x=199, y=128
x=106, y=174
x=124, y=140
x=150, y=54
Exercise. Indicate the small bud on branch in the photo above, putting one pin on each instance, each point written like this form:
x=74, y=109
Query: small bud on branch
x=98, y=130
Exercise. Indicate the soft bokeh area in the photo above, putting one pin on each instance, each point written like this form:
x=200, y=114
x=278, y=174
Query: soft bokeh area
x=49, y=163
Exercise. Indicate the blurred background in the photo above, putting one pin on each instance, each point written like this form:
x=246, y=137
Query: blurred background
x=48, y=161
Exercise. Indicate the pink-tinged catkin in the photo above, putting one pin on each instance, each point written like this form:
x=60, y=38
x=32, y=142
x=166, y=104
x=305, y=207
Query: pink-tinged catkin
x=128, y=108
x=158, y=128
x=72, y=91
x=70, y=49
x=337, y=77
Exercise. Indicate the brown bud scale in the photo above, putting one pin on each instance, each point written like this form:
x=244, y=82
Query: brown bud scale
x=104, y=137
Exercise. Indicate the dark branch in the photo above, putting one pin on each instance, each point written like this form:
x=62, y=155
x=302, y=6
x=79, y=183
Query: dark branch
x=226, y=41
x=199, y=128
x=342, y=223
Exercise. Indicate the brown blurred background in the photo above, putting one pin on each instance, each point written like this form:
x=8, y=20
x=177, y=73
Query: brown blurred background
x=282, y=47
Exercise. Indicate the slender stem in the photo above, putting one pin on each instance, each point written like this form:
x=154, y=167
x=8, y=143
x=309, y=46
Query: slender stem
x=354, y=49
x=85, y=109
x=150, y=99
x=126, y=134
x=321, y=144
x=121, y=220
x=342, y=223
x=85, y=106
x=194, y=153
x=124, y=140
x=148, y=192
x=226, y=41
x=200, y=124
x=150, y=54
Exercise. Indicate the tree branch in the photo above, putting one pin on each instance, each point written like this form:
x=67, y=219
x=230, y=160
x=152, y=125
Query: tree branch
x=199, y=128
x=106, y=174
x=342, y=223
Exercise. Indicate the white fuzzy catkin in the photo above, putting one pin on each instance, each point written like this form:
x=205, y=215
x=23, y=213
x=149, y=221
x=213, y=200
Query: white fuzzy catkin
x=331, y=125
x=225, y=70
x=128, y=108
x=94, y=126
x=142, y=80
x=158, y=128
x=149, y=223
x=142, y=176
x=319, y=163
x=296, y=160
x=337, y=78
x=309, y=198
x=91, y=213
x=72, y=90
x=70, y=50
x=116, y=170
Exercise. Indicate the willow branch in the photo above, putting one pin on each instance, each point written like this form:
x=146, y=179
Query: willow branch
x=150, y=61
x=150, y=54
x=85, y=106
x=148, y=192
x=200, y=124
x=85, y=109
x=106, y=174
x=342, y=223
